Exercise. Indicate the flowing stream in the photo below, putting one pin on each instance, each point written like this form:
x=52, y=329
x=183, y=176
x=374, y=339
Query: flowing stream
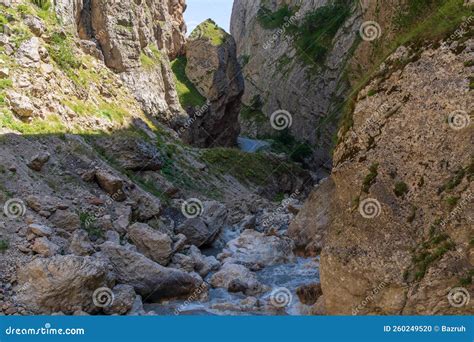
x=220, y=302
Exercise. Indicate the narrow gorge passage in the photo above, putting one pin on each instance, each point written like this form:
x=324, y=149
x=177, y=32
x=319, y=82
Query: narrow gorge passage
x=305, y=158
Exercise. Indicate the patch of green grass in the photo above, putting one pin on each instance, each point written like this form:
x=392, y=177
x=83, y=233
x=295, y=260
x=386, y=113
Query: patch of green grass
x=42, y=4
x=189, y=96
x=62, y=52
x=249, y=168
x=401, y=189
x=467, y=279
x=5, y=83
x=4, y=244
x=89, y=224
x=209, y=29
x=150, y=62
x=452, y=201
x=454, y=181
x=314, y=36
x=429, y=252
x=113, y=112
x=370, y=179
x=52, y=124
x=469, y=63
x=273, y=20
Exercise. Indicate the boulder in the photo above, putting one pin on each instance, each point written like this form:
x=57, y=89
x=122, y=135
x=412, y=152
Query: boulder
x=21, y=105
x=198, y=232
x=203, y=265
x=123, y=300
x=252, y=248
x=309, y=294
x=28, y=54
x=151, y=280
x=44, y=247
x=35, y=25
x=37, y=162
x=238, y=278
x=153, y=244
x=61, y=283
x=111, y=184
x=66, y=220
x=39, y=230
x=81, y=244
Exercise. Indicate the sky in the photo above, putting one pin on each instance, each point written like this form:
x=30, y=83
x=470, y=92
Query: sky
x=200, y=10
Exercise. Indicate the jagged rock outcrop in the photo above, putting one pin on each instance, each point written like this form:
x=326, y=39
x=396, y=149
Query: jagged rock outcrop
x=399, y=233
x=213, y=68
x=281, y=74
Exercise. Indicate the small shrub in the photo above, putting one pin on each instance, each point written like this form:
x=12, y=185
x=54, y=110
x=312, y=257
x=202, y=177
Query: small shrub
x=452, y=201
x=370, y=178
x=401, y=188
x=272, y=20
x=62, y=52
x=43, y=4
x=4, y=246
x=88, y=223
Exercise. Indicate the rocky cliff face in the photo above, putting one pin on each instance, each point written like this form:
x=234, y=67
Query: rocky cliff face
x=293, y=61
x=398, y=227
x=136, y=40
x=403, y=189
x=213, y=67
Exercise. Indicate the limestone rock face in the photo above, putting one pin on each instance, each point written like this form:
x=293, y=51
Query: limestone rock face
x=310, y=226
x=396, y=235
x=149, y=279
x=136, y=39
x=277, y=78
x=60, y=283
x=213, y=67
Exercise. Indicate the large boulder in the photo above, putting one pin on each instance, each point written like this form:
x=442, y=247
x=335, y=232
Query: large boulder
x=151, y=280
x=237, y=278
x=213, y=68
x=255, y=249
x=61, y=283
x=198, y=232
x=152, y=243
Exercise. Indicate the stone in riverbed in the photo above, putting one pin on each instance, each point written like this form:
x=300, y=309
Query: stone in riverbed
x=153, y=244
x=151, y=280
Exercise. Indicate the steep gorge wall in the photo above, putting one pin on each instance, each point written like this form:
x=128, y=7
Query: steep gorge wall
x=394, y=221
x=281, y=73
x=136, y=39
